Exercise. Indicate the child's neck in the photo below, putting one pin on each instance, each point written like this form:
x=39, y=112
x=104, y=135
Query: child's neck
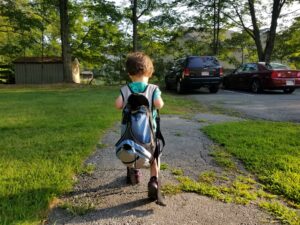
x=139, y=79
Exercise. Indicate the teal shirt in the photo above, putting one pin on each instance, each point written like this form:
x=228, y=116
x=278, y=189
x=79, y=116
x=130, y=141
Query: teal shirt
x=138, y=87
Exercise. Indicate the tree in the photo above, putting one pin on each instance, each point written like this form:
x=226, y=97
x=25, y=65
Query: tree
x=65, y=43
x=263, y=53
x=208, y=18
x=19, y=29
x=135, y=5
x=287, y=46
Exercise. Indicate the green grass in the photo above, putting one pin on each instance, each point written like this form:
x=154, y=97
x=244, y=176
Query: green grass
x=175, y=104
x=164, y=166
x=281, y=212
x=78, y=210
x=223, y=158
x=269, y=149
x=46, y=134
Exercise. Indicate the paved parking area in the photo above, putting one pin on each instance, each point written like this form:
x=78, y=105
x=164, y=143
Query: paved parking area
x=270, y=105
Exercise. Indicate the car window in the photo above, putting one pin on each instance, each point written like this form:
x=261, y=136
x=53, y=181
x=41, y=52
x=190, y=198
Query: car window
x=240, y=69
x=251, y=67
x=277, y=66
x=205, y=61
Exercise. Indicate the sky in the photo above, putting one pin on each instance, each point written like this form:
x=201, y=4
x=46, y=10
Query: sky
x=286, y=19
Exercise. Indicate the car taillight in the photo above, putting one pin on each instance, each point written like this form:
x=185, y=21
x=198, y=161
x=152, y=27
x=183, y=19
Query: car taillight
x=221, y=71
x=298, y=74
x=276, y=74
x=186, y=72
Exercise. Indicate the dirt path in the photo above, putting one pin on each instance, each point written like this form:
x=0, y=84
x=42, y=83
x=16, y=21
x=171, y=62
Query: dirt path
x=115, y=202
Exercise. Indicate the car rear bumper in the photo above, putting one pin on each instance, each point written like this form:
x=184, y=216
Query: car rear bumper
x=281, y=83
x=197, y=82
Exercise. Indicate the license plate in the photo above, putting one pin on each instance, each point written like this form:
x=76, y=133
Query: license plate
x=205, y=73
x=290, y=82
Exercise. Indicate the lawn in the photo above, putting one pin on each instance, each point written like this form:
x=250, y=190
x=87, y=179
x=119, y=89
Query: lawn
x=46, y=134
x=268, y=149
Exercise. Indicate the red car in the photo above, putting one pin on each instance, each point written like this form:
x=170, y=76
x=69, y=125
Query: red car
x=260, y=76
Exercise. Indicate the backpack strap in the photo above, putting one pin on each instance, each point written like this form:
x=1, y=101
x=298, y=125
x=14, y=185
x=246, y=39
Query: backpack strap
x=149, y=91
x=160, y=141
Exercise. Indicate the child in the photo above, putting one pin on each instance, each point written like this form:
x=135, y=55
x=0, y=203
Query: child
x=140, y=68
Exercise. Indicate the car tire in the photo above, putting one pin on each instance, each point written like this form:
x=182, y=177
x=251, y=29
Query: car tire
x=288, y=90
x=225, y=84
x=256, y=86
x=167, y=86
x=213, y=89
x=179, y=87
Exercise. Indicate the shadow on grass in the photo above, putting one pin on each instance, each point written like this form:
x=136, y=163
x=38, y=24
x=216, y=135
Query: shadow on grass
x=25, y=207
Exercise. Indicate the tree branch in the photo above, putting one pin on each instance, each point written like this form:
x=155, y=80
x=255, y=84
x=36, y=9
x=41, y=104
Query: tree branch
x=145, y=10
x=242, y=22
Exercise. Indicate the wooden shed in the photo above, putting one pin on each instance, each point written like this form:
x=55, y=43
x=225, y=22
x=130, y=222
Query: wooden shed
x=38, y=70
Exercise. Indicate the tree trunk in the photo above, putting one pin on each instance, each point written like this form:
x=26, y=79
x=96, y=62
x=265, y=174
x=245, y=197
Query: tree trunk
x=218, y=28
x=256, y=32
x=134, y=23
x=277, y=5
x=65, y=44
x=215, y=25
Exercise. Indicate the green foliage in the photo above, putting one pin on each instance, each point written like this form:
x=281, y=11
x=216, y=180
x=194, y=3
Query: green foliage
x=164, y=166
x=170, y=189
x=270, y=149
x=281, y=212
x=237, y=49
x=177, y=172
x=223, y=158
x=88, y=169
x=180, y=105
x=287, y=48
x=237, y=189
x=78, y=210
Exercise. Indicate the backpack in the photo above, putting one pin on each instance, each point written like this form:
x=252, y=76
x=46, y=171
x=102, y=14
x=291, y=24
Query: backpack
x=139, y=145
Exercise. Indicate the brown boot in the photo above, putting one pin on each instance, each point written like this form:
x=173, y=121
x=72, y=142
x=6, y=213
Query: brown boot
x=133, y=176
x=153, y=188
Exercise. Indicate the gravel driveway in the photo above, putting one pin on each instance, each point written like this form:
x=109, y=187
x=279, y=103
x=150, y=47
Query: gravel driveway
x=270, y=105
x=115, y=202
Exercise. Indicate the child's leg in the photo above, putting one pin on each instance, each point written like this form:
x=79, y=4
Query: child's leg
x=154, y=169
x=133, y=176
x=153, y=183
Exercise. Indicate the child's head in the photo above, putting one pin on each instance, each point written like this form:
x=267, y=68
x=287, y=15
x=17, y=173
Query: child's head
x=139, y=64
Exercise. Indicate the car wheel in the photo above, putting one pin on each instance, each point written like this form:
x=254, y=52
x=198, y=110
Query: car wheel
x=256, y=86
x=288, y=90
x=213, y=89
x=167, y=85
x=225, y=84
x=179, y=87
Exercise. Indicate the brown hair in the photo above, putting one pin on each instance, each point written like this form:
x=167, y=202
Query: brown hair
x=139, y=64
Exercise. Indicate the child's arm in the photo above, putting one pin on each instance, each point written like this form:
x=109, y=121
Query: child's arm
x=158, y=103
x=119, y=102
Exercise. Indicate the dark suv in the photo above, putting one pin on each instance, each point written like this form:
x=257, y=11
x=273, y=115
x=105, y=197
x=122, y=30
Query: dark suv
x=193, y=72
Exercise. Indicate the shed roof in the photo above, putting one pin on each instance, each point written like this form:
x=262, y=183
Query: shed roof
x=39, y=60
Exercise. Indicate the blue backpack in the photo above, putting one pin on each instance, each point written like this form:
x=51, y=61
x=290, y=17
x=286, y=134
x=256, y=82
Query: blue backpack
x=139, y=145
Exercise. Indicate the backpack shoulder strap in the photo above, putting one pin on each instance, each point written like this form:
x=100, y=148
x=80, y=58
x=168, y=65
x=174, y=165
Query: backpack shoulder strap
x=125, y=92
x=149, y=93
